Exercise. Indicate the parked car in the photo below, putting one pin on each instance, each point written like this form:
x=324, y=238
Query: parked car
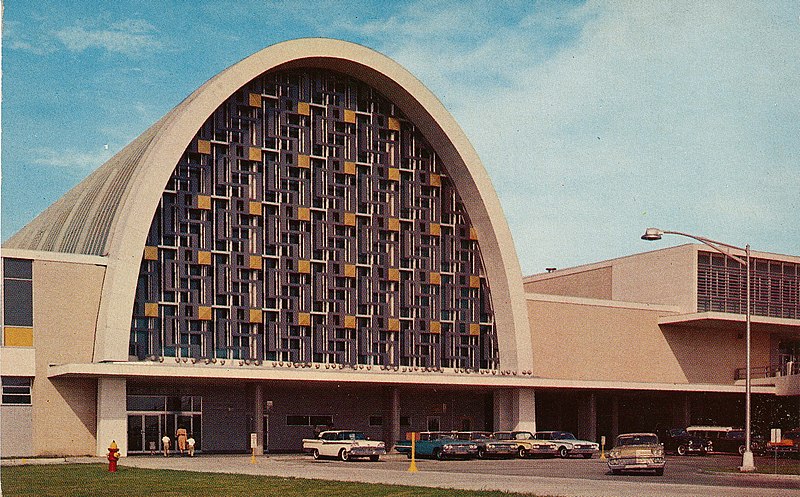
x=344, y=444
x=726, y=438
x=789, y=444
x=488, y=446
x=637, y=451
x=527, y=445
x=681, y=442
x=568, y=444
x=438, y=445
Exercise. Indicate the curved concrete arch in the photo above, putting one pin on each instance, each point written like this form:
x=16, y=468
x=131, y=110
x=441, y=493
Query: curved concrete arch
x=137, y=207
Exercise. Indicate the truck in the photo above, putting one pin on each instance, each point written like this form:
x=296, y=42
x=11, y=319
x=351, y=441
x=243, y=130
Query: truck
x=344, y=445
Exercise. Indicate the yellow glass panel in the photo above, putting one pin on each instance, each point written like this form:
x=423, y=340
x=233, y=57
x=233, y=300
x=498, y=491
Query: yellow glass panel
x=394, y=324
x=151, y=310
x=435, y=229
x=349, y=116
x=255, y=100
x=204, y=313
x=303, y=108
x=303, y=213
x=473, y=234
x=303, y=161
x=303, y=319
x=474, y=281
x=350, y=218
x=394, y=123
x=255, y=262
x=256, y=316
x=394, y=274
x=435, y=279
x=436, y=327
x=350, y=270
x=474, y=329
x=203, y=147
x=204, y=258
x=394, y=174
x=254, y=208
x=17, y=336
x=349, y=321
x=151, y=253
x=204, y=202
x=255, y=154
x=394, y=224
x=303, y=266
x=435, y=180
x=349, y=167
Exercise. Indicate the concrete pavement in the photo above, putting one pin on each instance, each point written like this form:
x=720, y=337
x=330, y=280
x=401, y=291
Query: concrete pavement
x=303, y=467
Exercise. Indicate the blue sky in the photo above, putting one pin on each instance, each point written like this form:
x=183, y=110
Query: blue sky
x=594, y=119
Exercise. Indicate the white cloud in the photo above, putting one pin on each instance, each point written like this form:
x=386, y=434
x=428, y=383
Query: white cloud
x=132, y=36
x=71, y=159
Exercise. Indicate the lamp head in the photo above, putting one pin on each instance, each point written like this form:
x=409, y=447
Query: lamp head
x=652, y=234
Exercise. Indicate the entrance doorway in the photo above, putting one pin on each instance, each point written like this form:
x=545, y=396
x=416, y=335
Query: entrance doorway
x=152, y=417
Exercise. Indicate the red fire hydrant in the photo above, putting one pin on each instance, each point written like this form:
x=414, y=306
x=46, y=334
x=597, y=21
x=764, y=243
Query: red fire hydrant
x=113, y=457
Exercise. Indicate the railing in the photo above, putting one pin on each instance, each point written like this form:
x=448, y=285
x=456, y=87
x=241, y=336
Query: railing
x=789, y=368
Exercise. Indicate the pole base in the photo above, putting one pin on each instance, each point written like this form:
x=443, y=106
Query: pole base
x=747, y=463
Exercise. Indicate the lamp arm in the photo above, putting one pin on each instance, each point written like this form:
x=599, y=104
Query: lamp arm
x=715, y=245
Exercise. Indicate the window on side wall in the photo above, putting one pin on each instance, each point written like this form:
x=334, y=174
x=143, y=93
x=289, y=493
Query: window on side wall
x=16, y=391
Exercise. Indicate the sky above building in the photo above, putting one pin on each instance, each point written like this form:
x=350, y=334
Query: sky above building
x=593, y=119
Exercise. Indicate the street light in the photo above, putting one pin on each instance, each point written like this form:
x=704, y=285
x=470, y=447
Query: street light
x=652, y=234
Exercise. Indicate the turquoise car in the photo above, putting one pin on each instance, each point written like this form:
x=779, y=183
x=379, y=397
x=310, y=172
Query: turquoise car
x=439, y=445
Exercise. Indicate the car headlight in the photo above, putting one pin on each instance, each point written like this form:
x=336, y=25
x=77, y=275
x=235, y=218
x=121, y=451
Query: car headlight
x=473, y=446
x=658, y=452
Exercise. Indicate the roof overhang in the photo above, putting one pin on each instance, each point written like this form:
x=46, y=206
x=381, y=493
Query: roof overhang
x=333, y=374
x=710, y=321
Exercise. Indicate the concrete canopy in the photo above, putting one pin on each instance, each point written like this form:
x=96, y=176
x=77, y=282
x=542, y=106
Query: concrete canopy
x=109, y=213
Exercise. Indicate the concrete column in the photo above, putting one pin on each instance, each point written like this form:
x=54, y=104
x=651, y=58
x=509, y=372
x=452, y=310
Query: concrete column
x=391, y=416
x=258, y=416
x=112, y=415
x=515, y=409
x=614, y=418
x=683, y=412
x=591, y=417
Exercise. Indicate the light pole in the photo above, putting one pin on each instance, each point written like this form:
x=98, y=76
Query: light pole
x=655, y=234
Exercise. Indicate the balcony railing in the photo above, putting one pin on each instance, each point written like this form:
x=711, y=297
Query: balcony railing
x=787, y=369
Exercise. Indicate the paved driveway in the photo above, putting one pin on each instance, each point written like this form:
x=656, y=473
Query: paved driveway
x=684, y=476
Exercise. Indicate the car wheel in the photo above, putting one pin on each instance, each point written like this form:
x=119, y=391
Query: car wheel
x=481, y=453
x=563, y=452
x=521, y=452
x=681, y=450
x=437, y=454
x=408, y=455
x=741, y=450
x=587, y=456
x=374, y=458
x=660, y=472
x=315, y=453
x=344, y=455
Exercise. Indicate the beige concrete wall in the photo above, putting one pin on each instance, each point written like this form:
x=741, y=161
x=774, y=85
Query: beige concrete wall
x=66, y=301
x=666, y=276
x=594, y=283
x=617, y=343
x=15, y=429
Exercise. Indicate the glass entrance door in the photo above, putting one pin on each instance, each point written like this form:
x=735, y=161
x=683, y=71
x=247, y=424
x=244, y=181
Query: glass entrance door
x=145, y=432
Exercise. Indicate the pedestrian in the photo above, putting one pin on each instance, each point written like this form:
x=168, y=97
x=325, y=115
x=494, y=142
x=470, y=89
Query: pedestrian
x=190, y=444
x=180, y=436
x=165, y=445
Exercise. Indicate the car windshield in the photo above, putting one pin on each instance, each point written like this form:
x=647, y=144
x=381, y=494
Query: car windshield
x=523, y=435
x=563, y=435
x=678, y=432
x=352, y=435
x=502, y=436
x=637, y=440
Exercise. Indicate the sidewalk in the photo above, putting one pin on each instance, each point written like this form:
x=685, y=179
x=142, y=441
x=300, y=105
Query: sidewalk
x=302, y=467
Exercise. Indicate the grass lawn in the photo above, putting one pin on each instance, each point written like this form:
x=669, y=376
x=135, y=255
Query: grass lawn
x=62, y=480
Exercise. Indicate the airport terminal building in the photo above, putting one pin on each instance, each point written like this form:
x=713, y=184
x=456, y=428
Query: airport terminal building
x=309, y=240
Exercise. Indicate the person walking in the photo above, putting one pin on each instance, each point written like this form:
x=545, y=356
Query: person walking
x=180, y=436
x=190, y=443
x=165, y=445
